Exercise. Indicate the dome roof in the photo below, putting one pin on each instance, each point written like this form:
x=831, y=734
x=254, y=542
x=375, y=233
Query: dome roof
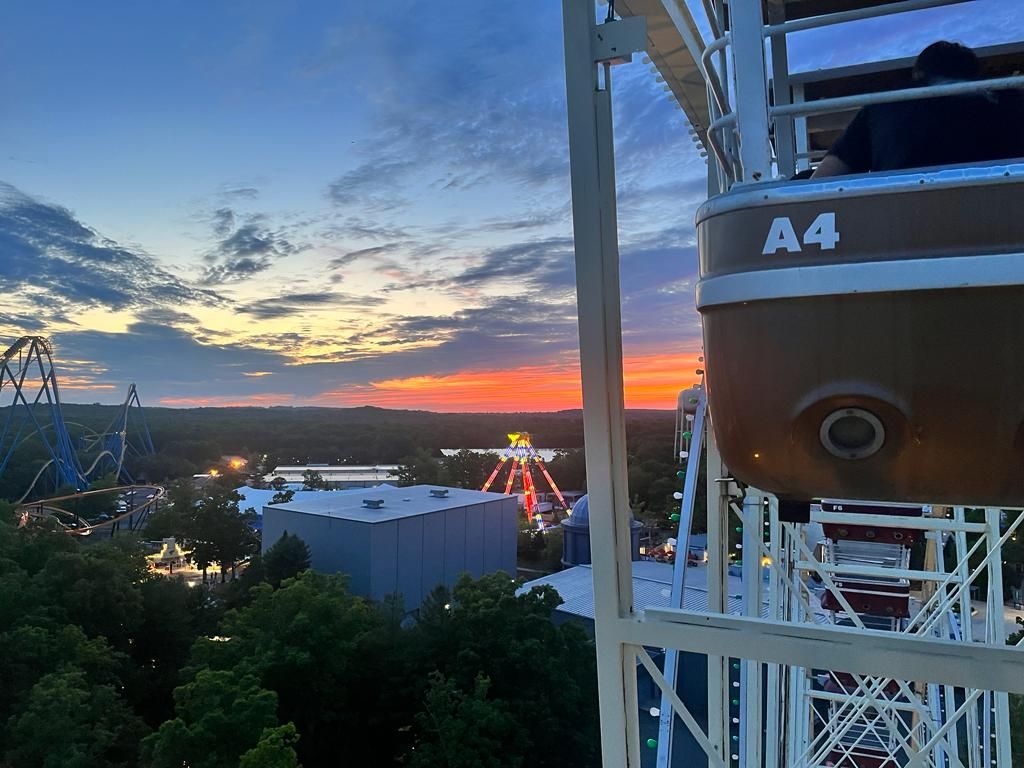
x=580, y=515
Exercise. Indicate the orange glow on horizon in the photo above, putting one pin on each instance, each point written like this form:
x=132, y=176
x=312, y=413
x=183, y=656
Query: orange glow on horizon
x=651, y=381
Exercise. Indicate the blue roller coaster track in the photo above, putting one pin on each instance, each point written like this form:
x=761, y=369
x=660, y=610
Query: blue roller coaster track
x=28, y=377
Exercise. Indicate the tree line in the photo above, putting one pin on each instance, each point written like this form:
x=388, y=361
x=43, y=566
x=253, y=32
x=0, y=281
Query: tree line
x=107, y=664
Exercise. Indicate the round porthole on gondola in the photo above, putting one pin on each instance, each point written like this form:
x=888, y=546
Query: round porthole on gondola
x=852, y=433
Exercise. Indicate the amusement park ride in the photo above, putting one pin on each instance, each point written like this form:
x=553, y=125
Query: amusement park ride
x=34, y=413
x=521, y=453
x=876, y=357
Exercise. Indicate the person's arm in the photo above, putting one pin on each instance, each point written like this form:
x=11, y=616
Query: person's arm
x=831, y=166
x=852, y=151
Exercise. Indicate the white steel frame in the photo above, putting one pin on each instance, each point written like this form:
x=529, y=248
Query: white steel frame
x=786, y=643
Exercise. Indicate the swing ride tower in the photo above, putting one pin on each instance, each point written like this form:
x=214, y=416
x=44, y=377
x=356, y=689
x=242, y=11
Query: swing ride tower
x=519, y=456
x=839, y=316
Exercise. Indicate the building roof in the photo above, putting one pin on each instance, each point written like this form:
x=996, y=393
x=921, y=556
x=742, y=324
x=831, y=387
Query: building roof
x=258, y=498
x=321, y=468
x=398, y=502
x=652, y=588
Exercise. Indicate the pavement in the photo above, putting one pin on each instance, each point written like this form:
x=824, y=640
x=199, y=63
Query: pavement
x=1010, y=616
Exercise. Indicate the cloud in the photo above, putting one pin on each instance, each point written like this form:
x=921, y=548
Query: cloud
x=223, y=221
x=240, y=193
x=244, y=250
x=348, y=258
x=166, y=361
x=57, y=263
x=444, y=118
x=298, y=303
x=164, y=316
x=543, y=263
x=373, y=186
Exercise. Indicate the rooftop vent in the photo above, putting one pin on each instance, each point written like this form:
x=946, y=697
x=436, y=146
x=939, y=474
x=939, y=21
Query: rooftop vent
x=439, y=493
x=373, y=503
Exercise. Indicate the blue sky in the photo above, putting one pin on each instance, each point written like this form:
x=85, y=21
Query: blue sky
x=342, y=203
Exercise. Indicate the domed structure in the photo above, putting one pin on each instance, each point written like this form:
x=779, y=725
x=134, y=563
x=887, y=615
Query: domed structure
x=576, y=535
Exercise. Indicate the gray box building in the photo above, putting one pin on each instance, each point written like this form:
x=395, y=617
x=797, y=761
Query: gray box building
x=408, y=541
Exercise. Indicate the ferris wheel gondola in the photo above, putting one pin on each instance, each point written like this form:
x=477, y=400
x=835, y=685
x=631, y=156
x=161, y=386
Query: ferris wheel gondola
x=864, y=335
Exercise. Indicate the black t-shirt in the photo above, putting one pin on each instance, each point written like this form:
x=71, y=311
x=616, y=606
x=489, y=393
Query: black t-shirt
x=944, y=130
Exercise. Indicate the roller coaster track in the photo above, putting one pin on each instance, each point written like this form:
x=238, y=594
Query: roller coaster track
x=27, y=370
x=149, y=499
x=27, y=355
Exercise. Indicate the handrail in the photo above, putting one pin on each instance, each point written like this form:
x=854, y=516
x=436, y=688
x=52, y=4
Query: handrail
x=709, y=9
x=857, y=14
x=723, y=122
x=842, y=103
x=680, y=15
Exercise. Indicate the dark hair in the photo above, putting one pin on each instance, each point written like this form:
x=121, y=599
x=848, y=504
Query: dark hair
x=945, y=59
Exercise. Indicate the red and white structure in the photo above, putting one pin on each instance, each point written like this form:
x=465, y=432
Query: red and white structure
x=519, y=455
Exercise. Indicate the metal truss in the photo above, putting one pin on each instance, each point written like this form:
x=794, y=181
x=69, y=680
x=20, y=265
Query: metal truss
x=28, y=378
x=800, y=676
x=119, y=440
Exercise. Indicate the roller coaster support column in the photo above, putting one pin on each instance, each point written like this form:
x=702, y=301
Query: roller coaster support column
x=590, y=50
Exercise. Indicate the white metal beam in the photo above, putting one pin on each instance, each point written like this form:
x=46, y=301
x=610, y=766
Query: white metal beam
x=592, y=167
x=860, y=651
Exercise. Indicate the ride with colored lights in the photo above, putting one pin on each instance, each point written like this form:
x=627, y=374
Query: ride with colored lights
x=522, y=453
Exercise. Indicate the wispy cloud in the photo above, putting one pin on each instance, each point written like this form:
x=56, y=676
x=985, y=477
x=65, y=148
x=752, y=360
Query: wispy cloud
x=52, y=260
x=245, y=249
x=297, y=303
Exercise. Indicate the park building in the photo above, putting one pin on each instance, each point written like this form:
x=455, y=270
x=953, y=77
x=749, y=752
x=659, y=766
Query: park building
x=340, y=475
x=403, y=541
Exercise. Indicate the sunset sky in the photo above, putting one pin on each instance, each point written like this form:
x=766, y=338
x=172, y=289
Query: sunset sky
x=322, y=202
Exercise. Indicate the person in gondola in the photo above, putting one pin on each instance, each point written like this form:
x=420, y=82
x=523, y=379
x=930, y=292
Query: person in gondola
x=936, y=130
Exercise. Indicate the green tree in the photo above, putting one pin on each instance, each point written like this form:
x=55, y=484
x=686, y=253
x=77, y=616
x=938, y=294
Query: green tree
x=97, y=588
x=220, y=716
x=275, y=749
x=69, y=723
x=279, y=484
x=217, y=532
x=174, y=516
x=485, y=629
x=173, y=615
x=421, y=468
x=282, y=497
x=461, y=729
x=569, y=470
x=1016, y=727
x=530, y=547
x=7, y=509
x=340, y=671
x=30, y=652
x=160, y=467
x=313, y=480
x=182, y=495
x=288, y=557
x=469, y=469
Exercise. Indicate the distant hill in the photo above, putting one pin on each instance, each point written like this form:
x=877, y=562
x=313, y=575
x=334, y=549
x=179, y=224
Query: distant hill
x=362, y=435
